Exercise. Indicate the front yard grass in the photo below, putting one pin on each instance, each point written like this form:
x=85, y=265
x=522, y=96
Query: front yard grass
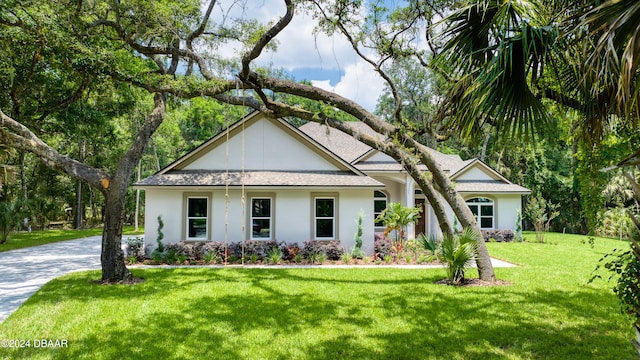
x=550, y=312
x=27, y=239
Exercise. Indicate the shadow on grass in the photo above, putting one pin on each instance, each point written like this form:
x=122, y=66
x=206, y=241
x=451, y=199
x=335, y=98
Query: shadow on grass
x=333, y=314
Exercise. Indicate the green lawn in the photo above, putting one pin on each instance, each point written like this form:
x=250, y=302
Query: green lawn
x=27, y=239
x=550, y=312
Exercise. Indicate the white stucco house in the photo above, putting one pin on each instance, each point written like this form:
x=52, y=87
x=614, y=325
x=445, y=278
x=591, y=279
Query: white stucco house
x=268, y=180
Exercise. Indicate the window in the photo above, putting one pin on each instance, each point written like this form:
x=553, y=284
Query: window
x=325, y=219
x=261, y=215
x=379, y=204
x=197, y=218
x=482, y=208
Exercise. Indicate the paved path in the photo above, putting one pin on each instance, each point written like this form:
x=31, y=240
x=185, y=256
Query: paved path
x=24, y=271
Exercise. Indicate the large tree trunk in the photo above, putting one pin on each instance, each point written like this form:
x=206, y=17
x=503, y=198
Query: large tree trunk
x=113, y=187
x=440, y=178
x=112, y=258
x=462, y=212
x=115, y=191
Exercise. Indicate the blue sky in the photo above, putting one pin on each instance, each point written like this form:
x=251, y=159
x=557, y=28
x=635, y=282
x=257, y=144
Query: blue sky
x=328, y=62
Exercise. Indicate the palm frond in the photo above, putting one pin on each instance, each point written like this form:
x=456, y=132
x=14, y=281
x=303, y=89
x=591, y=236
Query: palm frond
x=616, y=53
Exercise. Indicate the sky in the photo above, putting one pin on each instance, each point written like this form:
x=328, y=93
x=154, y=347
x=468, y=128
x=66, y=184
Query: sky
x=328, y=62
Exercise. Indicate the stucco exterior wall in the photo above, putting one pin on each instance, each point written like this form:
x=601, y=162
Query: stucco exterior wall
x=266, y=145
x=292, y=214
x=476, y=173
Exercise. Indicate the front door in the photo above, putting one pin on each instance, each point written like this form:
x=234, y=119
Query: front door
x=421, y=225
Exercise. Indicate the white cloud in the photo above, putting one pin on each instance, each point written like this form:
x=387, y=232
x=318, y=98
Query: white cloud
x=300, y=48
x=359, y=83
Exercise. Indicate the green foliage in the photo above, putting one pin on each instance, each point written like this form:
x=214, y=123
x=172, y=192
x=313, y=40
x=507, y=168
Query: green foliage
x=429, y=242
x=275, y=255
x=396, y=217
x=540, y=212
x=208, y=257
x=181, y=258
x=160, y=236
x=10, y=218
x=346, y=258
x=459, y=252
x=135, y=247
x=357, y=252
x=170, y=256
x=518, y=233
x=624, y=268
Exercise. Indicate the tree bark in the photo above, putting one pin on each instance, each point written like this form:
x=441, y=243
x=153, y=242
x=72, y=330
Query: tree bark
x=441, y=179
x=113, y=187
x=137, y=212
x=78, y=212
x=462, y=212
x=113, y=266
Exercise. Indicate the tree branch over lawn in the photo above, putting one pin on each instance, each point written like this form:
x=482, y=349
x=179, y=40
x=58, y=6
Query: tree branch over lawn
x=401, y=146
x=18, y=136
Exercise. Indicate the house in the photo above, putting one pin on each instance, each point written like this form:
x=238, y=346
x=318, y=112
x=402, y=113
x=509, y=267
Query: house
x=265, y=179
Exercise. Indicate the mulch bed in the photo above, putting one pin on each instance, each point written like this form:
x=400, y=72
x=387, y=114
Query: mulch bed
x=474, y=283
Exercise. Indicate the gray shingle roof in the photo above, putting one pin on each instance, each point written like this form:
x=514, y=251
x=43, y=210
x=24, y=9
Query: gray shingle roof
x=259, y=178
x=341, y=144
x=351, y=149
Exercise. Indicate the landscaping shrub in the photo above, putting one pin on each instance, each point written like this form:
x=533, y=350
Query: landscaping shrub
x=274, y=255
x=290, y=252
x=135, y=248
x=234, y=252
x=498, y=235
x=459, y=252
x=333, y=250
x=311, y=248
x=260, y=248
x=178, y=248
x=382, y=246
x=216, y=248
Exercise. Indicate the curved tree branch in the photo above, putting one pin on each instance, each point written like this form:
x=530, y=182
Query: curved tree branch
x=264, y=40
x=20, y=137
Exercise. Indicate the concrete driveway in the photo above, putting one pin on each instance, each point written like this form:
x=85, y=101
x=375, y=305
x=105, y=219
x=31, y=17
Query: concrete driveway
x=24, y=271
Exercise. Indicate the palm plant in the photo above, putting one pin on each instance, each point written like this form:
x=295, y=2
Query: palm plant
x=397, y=217
x=459, y=252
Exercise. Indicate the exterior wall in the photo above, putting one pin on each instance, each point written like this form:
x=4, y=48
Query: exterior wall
x=265, y=147
x=168, y=204
x=380, y=156
x=475, y=173
x=505, y=212
x=505, y=209
x=292, y=220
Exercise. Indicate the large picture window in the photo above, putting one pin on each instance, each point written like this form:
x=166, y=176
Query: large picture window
x=261, y=219
x=197, y=218
x=325, y=218
x=379, y=204
x=482, y=209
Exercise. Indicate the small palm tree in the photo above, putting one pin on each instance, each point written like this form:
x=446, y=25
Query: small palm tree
x=397, y=217
x=459, y=252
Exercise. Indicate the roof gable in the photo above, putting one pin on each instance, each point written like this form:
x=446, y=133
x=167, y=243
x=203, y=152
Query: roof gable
x=259, y=143
x=477, y=170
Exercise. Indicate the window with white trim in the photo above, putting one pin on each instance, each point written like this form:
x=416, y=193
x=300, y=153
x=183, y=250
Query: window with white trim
x=483, y=210
x=379, y=204
x=197, y=218
x=261, y=218
x=325, y=218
